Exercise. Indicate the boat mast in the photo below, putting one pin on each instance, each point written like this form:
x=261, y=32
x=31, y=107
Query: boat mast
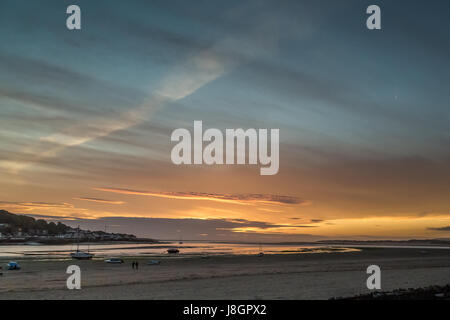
x=78, y=239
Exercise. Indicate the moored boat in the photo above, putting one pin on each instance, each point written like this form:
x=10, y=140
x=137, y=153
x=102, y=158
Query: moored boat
x=81, y=255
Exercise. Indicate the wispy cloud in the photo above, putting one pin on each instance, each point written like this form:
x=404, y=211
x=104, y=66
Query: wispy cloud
x=47, y=209
x=243, y=199
x=183, y=80
x=197, y=61
x=99, y=200
x=36, y=204
x=447, y=228
x=243, y=223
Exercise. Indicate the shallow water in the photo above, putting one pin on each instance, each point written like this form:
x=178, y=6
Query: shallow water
x=158, y=249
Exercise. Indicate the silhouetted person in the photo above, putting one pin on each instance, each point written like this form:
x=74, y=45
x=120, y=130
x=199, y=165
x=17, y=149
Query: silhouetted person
x=133, y=265
x=137, y=265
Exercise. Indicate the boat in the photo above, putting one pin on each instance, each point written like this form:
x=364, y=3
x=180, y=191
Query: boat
x=114, y=261
x=12, y=265
x=81, y=255
x=173, y=250
x=31, y=243
x=261, y=253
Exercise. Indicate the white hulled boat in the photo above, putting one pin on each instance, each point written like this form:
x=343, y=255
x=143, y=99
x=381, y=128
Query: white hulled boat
x=80, y=255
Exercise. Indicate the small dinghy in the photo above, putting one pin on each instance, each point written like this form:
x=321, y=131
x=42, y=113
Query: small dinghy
x=114, y=261
x=81, y=255
x=13, y=266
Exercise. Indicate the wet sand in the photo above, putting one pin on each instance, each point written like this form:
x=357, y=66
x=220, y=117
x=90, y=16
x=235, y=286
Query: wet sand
x=285, y=276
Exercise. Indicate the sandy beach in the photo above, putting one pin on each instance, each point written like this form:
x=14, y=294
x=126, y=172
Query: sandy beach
x=278, y=276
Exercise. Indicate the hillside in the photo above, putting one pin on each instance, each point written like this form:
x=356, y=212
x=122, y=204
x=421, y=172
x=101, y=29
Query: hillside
x=13, y=223
x=18, y=228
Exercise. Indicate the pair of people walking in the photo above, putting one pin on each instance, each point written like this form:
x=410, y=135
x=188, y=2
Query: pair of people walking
x=135, y=265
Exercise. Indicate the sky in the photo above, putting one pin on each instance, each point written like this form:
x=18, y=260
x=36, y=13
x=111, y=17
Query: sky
x=86, y=117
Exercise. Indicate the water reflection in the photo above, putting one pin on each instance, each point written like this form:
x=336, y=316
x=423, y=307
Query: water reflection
x=146, y=249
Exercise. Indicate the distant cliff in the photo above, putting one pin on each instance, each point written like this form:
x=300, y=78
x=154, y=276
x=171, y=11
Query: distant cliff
x=13, y=224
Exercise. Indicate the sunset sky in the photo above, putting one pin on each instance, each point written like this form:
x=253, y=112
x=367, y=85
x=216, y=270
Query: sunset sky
x=86, y=117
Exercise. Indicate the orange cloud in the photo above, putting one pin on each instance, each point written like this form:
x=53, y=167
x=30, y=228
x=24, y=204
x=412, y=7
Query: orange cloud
x=243, y=199
x=35, y=204
x=99, y=200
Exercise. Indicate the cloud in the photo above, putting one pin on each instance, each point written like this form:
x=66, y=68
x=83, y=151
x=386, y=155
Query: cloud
x=99, y=200
x=440, y=228
x=183, y=80
x=45, y=209
x=243, y=199
x=243, y=223
x=199, y=60
x=31, y=76
x=270, y=210
x=193, y=229
x=36, y=204
x=50, y=218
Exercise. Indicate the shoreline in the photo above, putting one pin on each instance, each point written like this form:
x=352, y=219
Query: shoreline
x=147, y=250
x=34, y=241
